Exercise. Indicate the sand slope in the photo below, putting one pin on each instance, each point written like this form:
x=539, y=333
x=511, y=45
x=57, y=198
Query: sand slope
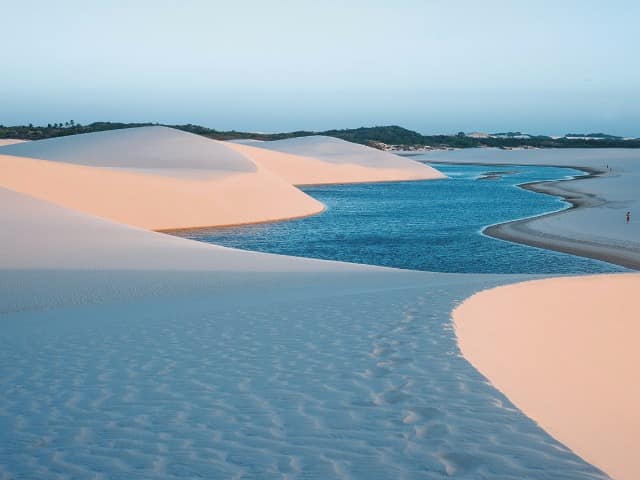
x=321, y=160
x=137, y=148
x=39, y=234
x=152, y=177
x=129, y=353
x=565, y=351
x=9, y=141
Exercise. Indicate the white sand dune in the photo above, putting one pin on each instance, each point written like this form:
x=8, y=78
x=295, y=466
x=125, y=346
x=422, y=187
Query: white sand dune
x=41, y=235
x=133, y=353
x=153, y=177
x=321, y=160
x=564, y=350
x=137, y=148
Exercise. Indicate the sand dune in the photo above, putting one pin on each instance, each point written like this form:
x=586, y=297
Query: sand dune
x=155, y=178
x=565, y=351
x=321, y=160
x=39, y=234
x=9, y=141
x=161, y=178
x=128, y=351
x=154, y=148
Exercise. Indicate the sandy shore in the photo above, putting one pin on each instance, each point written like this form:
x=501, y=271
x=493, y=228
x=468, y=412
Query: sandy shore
x=595, y=226
x=527, y=231
x=564, y=350
x=10, y=141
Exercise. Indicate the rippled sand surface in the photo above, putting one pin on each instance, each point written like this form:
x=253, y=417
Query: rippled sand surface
x=365, y=382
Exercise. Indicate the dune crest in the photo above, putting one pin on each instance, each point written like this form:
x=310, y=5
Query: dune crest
x=160, y=178
x=318, y=160
x=10, y=141
x=152, y=177
x=564, y=351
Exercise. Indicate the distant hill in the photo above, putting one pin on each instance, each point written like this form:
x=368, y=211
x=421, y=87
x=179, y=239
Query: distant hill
x=390, y=137
x=593, y=135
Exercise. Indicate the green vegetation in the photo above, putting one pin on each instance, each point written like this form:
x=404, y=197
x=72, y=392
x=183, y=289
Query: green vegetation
x=594, y=135
x=31, y=132
x=378, y=137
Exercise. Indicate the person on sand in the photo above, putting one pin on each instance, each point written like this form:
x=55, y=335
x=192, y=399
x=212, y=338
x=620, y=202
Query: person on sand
x=628, y=216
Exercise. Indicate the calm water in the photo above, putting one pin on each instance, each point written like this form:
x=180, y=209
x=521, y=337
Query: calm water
x=432, y=225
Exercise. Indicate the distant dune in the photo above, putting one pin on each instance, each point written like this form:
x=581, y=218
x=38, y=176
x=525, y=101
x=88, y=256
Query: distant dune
x=152, y=177
x=137, y=148
x=320, y=160
x=10, y=141
x=161, y=178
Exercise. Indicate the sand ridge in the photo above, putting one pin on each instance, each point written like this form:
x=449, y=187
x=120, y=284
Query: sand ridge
x=160, y=178
x=10, y=141
x=564, y=351
x=153, y=147
x=158, y=202
x=324, y=160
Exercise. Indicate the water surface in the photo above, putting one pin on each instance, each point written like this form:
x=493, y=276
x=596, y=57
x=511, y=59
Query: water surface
x=430, y=225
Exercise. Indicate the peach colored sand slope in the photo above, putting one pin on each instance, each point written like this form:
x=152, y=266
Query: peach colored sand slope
x=309, y=170
x=565, y=351
x=10, y=141
x=158, y=202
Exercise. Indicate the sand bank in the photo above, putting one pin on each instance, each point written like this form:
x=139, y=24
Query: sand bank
x=596, y=227
x=594, y=241
x=324, y=160
x=10, y=141
x=564, y=351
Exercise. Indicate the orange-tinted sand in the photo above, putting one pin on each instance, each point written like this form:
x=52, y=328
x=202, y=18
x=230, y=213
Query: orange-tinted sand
x=160, y=178
x=307, y=170
x=158, y=202
x=10, y=141
x=564, y=350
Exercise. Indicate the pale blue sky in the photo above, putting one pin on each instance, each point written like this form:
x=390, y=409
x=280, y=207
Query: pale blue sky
x=433, y=66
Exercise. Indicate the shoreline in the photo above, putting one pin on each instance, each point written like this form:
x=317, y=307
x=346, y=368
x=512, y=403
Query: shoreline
x=521, y=231
x=171, y=231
